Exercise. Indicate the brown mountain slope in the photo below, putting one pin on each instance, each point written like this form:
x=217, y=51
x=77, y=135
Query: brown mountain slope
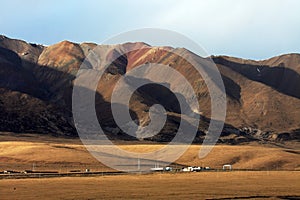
x=269, y=92
x=263, y=99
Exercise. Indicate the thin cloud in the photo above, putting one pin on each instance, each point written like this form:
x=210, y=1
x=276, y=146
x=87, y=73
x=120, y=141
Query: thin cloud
x=250, y=29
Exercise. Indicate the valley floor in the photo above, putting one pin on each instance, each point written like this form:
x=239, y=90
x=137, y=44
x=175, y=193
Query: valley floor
x=271, y=172
x=203, y=185
x=26, y=152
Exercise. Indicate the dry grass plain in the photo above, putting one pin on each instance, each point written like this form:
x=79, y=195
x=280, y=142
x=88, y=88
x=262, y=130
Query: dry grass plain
x=60, y=154
x=19, y=152
x=204, y=185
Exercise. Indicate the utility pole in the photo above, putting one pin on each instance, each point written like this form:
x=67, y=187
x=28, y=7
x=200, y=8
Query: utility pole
x=139, y=164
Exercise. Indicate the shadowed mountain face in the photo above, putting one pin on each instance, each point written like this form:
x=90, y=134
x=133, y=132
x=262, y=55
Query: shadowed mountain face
x=36, y=82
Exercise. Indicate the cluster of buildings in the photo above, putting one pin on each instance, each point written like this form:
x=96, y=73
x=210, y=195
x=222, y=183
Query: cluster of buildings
x=188, y=169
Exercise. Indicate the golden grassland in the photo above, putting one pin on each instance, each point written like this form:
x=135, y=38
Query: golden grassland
x=20, y=152
x=202, y=185
x=60, y=154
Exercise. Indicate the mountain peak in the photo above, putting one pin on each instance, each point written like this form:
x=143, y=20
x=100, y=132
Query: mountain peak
x=263, y=97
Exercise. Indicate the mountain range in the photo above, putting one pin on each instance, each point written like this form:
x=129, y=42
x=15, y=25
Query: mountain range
x=36, y=81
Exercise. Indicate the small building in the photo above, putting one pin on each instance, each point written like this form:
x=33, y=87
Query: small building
x=168, y=169
x=227, y=166
x=157, y=169
x=187, y=169
x=191, y=169
x=10, y=172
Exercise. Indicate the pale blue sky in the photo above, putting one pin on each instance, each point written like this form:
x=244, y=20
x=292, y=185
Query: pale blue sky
x=254, y=29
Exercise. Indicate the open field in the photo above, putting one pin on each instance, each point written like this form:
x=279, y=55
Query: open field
x=203, y=185
x=26, y=151
x=60, y=154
